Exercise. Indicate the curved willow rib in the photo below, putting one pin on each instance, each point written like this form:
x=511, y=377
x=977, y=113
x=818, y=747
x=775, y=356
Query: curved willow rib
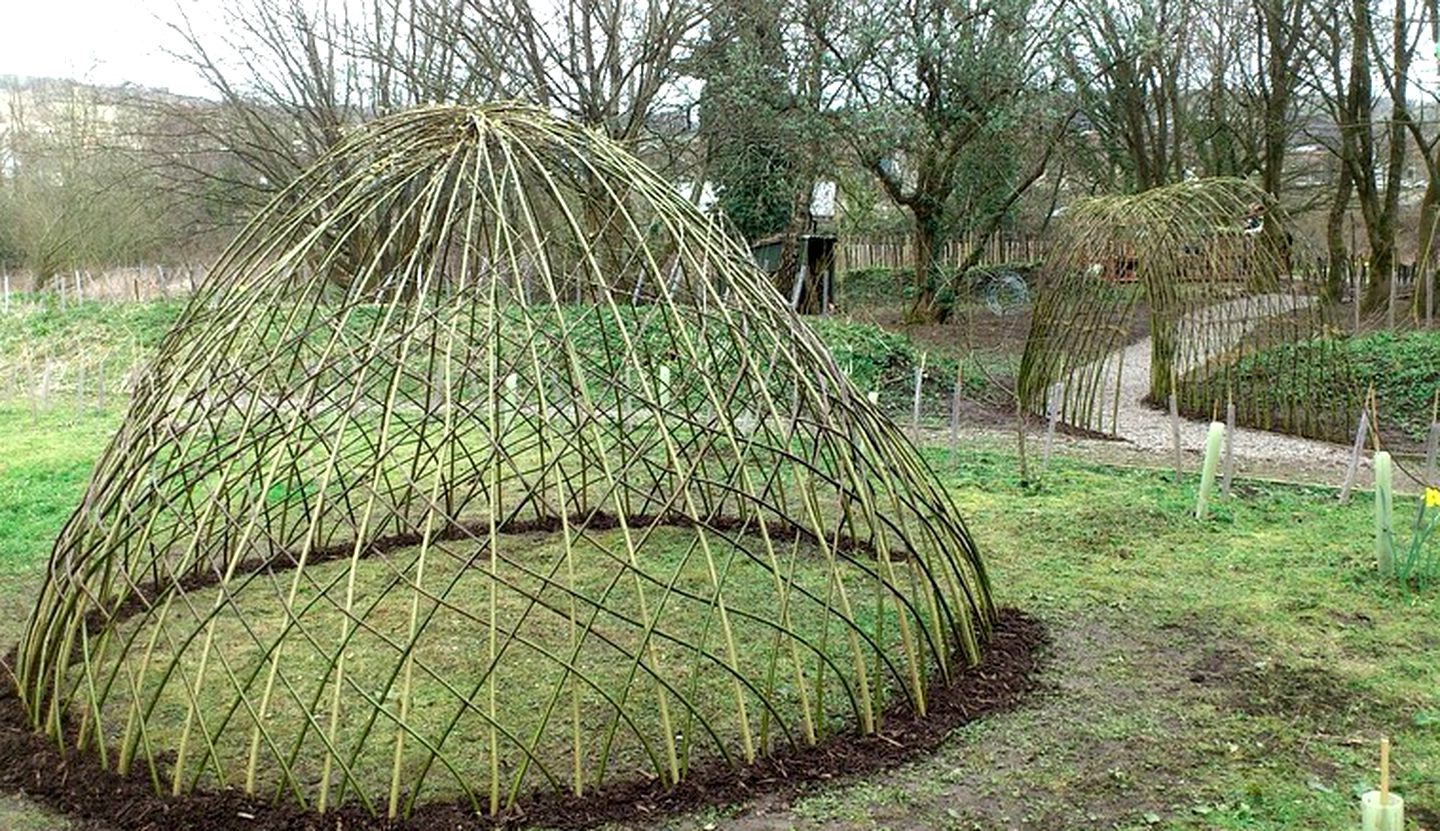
x=483, y=463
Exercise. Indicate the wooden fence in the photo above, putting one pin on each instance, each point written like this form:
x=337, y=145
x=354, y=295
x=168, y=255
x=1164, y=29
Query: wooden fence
x=113, y=285
x=1405, y=281
x=854, y=253
x=157, y=282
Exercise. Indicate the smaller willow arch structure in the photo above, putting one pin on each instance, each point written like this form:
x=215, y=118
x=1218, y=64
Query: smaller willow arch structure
x=484, y=464
x=1212, y=264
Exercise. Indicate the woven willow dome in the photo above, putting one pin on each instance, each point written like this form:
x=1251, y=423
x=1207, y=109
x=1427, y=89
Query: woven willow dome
x=1227, y=295
x=484, y=465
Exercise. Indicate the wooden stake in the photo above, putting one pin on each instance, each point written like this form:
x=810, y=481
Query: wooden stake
x=1052, y=414
x=1384, y=771
x=34, y=398
x=915, y=412
x=1355, y=294
x=1390, y=299
x=1374, y=420
x=1355, y=451
x=955, y=415
x=1429, y=296
x=45, y=387
x=1175, y=430
x=1355, y=290
x=1432, y=444
x=1229, y=474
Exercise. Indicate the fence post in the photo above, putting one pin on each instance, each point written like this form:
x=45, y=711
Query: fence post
x=1175, y=430
x=955, y=414
x=1390, y=296
x=1432, y=444
x=1052, y=414
x=7, y=292
x=919, y=378
x=1354, y=466
x=1229, y=449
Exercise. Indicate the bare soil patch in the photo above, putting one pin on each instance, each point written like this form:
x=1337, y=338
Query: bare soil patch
x=1265, y=687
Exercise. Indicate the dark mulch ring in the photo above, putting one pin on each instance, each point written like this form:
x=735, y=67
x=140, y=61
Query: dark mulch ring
x=77, y=787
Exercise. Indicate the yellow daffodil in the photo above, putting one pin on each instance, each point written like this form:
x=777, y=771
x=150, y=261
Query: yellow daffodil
x=1432, y=497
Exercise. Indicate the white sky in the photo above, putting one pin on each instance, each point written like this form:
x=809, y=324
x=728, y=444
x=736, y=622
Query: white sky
x=120, y=41
x=101, y=41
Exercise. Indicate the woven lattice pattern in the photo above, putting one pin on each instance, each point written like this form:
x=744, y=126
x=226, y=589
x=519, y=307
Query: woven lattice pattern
x=1224, y=285
x=484, y=463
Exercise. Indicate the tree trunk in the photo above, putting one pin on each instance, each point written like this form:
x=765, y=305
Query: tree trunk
x=1337, y=271
x=1429, y=235
x=1382, y=263
x=926, y=237
x=1382, y=208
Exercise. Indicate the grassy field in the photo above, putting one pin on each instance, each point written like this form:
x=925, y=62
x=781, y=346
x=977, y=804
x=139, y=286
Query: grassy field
x=536, y=696
x=54, y=358
x=1235, y=673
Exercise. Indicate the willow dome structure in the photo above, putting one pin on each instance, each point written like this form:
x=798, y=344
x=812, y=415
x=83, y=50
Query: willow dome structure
x=483, y=464
x=1235, y=311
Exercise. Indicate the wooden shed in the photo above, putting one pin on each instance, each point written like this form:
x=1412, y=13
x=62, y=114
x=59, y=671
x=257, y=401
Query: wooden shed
x=810, y=284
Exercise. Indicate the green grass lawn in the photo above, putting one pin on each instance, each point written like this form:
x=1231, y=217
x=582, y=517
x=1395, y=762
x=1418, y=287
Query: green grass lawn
x=562, y=723
x=1232, y=674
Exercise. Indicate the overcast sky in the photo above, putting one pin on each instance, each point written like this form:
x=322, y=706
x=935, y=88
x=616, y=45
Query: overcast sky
x=102, y=41
x=120, y=41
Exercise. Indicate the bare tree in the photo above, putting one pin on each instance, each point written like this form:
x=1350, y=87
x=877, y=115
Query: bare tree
x=71, y=194
x=1372, y=144
x=1283, y=52
x=290, y=77
x=938, y=95
x=1401, y=87
x=606, y=63
x=1128, y=71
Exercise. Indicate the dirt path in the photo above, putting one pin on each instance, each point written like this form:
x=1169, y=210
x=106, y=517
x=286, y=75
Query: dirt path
x=1148, y=429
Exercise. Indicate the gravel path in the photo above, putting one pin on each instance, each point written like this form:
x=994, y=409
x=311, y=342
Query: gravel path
x=1148, y=428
